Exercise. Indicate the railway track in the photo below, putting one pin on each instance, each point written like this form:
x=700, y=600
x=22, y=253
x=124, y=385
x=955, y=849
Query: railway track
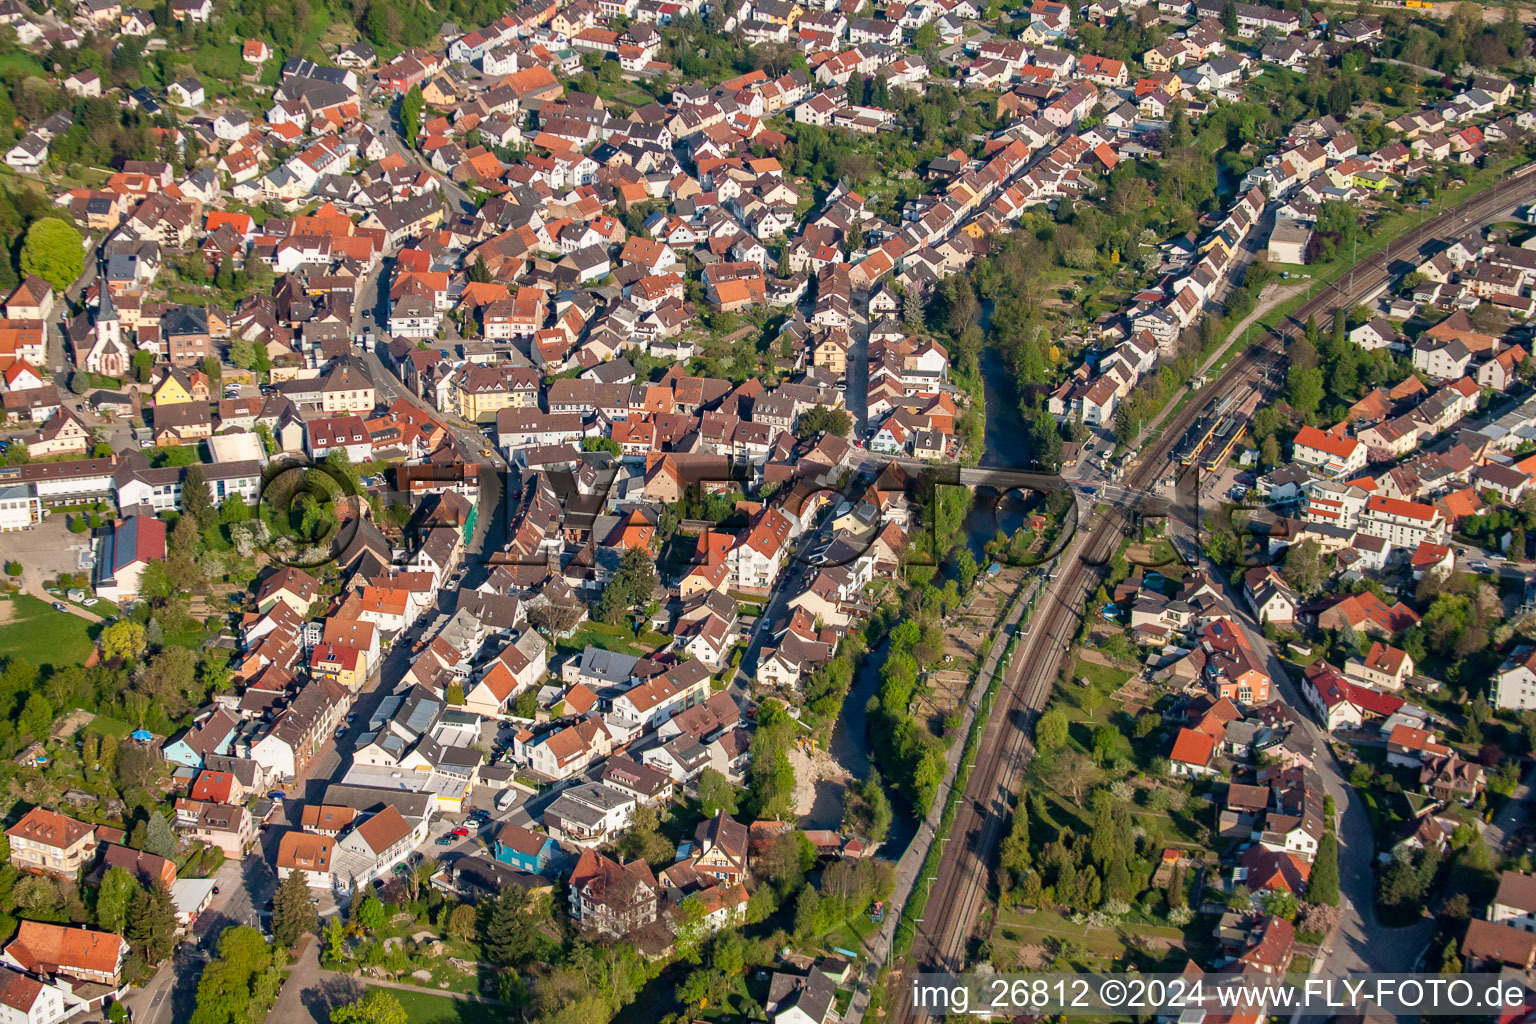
x=960, y=888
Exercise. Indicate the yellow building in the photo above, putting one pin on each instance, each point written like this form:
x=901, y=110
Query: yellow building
x=173, y=389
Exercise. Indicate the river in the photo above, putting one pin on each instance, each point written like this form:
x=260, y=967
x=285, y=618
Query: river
x=1005, y=447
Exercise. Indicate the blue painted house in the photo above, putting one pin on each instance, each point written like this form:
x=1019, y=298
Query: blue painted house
x=212, y=735
x=523, y=849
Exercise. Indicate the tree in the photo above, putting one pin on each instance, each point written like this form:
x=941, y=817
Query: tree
x=13, y=568
x=238, y=986
x=1051, y=730
x=1305, y=387
x=377, y=1006
x=54, y=251
x=151, y=930
x=717, y=793
x=196, y=500
x=787, y=860
x=160, y=838
x=479, y=272
x=293, y=915
x=643, y=840
x=170, y=677
x=143, y=364
x=1303, y=566
x=506, y=938
x=631, y=585
x=557, y=617
x=122, y=640
x=1323, y=886
x=461, y=921
x=822, y=419
x=410, y=114
x=866, y=809
x=113, y=899
x=1071, y=772
x=370, y=914
x=242, y=352
x=1013, y=856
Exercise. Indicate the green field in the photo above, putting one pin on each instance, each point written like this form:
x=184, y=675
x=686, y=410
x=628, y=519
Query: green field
x=426, y=1008
x=38, y=634
x=20, y=64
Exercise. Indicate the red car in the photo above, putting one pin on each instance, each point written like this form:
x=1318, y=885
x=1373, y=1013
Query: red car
x=460, y=832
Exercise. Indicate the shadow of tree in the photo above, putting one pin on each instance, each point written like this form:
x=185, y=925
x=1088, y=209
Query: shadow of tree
x=333, y=991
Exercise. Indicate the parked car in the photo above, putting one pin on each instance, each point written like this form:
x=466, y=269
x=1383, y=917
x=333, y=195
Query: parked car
x=460, y=832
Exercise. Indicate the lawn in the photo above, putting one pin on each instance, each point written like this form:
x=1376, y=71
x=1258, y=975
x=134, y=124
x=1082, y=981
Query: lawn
x=1094, y=948
x=586, y=636
x=21, y=65
x=105, y=726
x=38, y=634
x=1102, y=676
x=426, y=1008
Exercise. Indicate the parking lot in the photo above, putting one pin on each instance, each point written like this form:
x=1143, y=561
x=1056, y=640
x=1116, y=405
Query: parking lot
x=47, y=550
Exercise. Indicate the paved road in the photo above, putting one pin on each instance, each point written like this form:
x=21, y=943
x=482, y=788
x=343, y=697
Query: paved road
x=386, y=125
x=856, y=383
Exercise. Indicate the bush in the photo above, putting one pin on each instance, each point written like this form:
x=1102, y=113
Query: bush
x=13, y=568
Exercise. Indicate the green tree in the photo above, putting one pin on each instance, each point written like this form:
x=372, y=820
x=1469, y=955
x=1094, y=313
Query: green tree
x=506, y=936
x=122, y=640
x=717, y=793
x=410, y=114
x=36, y=719
x=54, y=251
x=370, y=914
x=160, y=838
x=239, y=986
x=823, y=419
x=461, y=921
x=643, y=839
x=1323, y=886
x=113, y=898
x=151, y=930
x=196, y=499
x=1014, y=856
x=143, y=364
x=376, y=1006
x=1051, y=730
x=242, y=352
x=293, y=915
